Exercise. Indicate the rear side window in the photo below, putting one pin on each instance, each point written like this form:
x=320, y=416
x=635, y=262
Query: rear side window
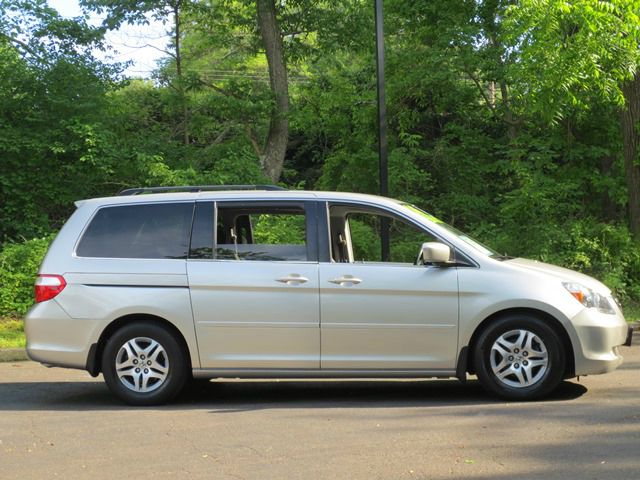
x=261, y=233
x=139, y=231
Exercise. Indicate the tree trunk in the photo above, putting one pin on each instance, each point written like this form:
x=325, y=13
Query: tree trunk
x=630, y=123
x=277, y=138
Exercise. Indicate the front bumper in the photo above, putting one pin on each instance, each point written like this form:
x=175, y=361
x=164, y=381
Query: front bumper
x=599, y=337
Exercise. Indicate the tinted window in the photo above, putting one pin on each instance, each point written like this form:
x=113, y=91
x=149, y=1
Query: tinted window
x=139, y=231
x=202, y=233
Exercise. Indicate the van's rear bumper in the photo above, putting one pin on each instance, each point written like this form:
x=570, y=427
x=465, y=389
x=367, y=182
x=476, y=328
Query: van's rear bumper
x=55, y=339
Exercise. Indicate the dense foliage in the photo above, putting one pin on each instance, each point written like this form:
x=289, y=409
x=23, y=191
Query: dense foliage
x=18, y=264
x=514, y=122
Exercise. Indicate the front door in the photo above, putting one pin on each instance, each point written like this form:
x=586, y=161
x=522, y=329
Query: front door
x=389, y=314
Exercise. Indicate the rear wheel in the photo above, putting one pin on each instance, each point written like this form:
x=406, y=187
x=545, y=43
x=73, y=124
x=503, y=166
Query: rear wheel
x=144, y=364
x=519, y=357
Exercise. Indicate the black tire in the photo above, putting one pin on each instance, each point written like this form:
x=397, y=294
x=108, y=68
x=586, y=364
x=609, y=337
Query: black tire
x=511, y=372
x=160, y=370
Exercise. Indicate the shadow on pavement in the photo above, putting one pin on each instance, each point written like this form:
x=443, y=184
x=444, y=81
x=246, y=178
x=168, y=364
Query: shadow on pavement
x=238, y=396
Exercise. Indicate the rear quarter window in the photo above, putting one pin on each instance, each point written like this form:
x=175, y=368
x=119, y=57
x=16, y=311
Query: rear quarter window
x=138, y=231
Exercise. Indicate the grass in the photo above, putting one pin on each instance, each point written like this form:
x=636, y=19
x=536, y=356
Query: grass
x=12, y=333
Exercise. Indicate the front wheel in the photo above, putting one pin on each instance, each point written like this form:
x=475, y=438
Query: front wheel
x=143, y=364
x=519, y=357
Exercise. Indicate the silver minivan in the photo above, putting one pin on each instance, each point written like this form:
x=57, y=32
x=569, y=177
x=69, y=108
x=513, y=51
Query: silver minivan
x=159, y=286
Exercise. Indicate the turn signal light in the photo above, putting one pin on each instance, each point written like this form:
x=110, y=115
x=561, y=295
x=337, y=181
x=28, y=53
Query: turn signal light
x=48, y=286
x=580, y=296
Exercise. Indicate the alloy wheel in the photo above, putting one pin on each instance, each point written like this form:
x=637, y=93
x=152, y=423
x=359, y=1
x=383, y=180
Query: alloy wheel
x=142, y=364
x=519, y=358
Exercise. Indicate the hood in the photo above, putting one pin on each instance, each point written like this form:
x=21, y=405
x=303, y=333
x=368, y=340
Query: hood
x=563, y=274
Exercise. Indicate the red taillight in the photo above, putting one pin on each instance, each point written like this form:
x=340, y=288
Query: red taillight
x=48, y=286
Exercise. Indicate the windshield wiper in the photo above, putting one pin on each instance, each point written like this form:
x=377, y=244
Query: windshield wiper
x=502, y=258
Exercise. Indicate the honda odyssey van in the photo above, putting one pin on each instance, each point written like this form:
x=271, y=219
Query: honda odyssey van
x=159, y=286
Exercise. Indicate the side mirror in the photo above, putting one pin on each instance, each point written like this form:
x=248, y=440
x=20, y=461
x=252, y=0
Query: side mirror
x=435, y=252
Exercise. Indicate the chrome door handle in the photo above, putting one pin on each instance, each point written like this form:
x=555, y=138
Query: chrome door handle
x=346, y=279
x=293, y=279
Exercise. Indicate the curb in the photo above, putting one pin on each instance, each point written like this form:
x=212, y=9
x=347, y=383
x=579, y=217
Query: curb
x=13, y=355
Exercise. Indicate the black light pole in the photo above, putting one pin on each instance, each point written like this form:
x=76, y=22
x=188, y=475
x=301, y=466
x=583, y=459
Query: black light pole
x=383, y=145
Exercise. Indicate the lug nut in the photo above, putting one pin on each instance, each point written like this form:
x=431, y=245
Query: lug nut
x=149, y=362
x=146, y=370
x=515, y=350
x=135, y=362
x=511, y=358
x=525, y=353
x=516, y=365
x=137, y=370
x=525, y=363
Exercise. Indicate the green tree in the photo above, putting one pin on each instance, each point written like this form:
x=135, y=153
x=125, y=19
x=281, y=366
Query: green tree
x=573, y=52
x=52, y=144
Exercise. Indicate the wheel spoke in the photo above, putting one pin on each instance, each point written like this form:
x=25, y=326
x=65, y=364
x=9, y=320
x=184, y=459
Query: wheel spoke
x=159, y=368
x=153, y=374
x=498, y=347
x=125, y=371
x=145, y=382
x=542, y=354
x=132, y=348
x=154, y=351
x=504, y=343
x=505, y=373
x=126, y=364
x=537, y=363
x=137, y=381
x=500, y=366
x=528, y=346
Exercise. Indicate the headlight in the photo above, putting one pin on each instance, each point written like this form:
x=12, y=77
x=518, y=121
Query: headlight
x=589, y=298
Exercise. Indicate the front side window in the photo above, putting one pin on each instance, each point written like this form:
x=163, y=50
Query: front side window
x=356, y=236
x=139, y=231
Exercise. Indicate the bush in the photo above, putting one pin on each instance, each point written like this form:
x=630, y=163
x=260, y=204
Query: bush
x=19, y=264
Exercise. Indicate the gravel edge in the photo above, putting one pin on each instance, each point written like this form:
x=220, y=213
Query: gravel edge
x=13, y=355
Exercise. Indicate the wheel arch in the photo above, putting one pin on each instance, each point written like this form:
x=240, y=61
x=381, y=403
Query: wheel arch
x=94, y=360
x=557, y=326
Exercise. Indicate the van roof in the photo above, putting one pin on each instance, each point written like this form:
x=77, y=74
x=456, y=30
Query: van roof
x=237, y=195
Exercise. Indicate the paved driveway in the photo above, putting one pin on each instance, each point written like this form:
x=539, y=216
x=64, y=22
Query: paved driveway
x=57, y=423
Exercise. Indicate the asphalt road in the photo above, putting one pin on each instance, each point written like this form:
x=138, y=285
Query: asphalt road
x=57, y=423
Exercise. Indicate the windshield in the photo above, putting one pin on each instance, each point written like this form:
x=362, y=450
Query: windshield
x=483, y=249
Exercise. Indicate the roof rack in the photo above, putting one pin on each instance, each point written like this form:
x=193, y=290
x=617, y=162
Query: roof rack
x=197, y=188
